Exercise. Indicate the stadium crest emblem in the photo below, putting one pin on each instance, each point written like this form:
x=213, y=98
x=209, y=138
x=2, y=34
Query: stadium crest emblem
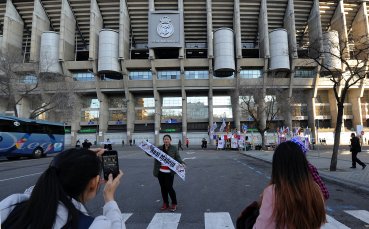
x=165, y=28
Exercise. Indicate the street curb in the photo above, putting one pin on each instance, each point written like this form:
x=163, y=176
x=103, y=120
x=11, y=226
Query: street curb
x=352, y=185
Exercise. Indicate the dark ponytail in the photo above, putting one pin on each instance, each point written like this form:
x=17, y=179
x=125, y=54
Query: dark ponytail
x=67, y=177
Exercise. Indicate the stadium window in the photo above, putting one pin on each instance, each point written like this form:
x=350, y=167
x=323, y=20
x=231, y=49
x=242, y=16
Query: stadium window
x=305, y=73
x=140, y=75
x=169, y=75
x=251, y=73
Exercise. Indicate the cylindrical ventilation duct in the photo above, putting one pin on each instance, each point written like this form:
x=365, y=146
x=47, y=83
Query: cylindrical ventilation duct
x=108, y=52
x=49, y=53
x=331, y=49
x=279, y=55
x=224, y=63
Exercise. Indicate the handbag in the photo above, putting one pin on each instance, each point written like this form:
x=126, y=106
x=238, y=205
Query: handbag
x=248, y=216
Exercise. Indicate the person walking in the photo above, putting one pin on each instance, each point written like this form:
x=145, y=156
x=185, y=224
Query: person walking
x=86, y=144
x=166, y=176
x=355, y=148
x=71, y=180
x=108, y=145
x=78, y=144
x=187, y=142
x=180, y=144
x=291, y=187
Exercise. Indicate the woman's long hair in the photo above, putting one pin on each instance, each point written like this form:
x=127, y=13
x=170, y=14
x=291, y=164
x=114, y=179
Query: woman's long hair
x=298, y=200
x=67, y=177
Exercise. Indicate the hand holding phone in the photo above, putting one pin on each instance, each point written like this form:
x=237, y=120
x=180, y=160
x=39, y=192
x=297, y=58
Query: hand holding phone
x=110, y=164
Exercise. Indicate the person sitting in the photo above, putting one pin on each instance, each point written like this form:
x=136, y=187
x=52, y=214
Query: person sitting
x=57, y=200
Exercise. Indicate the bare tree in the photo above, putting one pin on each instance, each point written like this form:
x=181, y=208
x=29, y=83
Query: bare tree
x=48, y=91
x=345, y=67
x=263, y=106
x=15, y=84
x=57, y=95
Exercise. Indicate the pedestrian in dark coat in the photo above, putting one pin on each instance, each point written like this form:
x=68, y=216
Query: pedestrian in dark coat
x=355, y=148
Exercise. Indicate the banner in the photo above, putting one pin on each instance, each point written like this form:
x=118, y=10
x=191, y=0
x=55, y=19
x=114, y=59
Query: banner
x=234, y=143
x=163, y=158
x=220, y=144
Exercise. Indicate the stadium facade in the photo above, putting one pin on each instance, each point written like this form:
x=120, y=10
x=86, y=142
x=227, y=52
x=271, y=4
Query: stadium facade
x=143, y=68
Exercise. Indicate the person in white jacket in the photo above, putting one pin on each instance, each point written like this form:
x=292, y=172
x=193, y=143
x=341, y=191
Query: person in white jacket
x=57, y=200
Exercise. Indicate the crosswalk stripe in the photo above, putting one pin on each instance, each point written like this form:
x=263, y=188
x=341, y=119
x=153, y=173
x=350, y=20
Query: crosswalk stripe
x=333, y=224
x=165, y=221
x=359, y=214
x=126, y=216
x=218, y=220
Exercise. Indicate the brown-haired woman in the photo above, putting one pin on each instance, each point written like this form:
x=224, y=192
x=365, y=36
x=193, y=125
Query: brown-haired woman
x=293, y=199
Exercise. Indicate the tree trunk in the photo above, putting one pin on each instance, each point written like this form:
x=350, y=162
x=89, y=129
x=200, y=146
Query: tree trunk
x=337, y=137
x=262, y=139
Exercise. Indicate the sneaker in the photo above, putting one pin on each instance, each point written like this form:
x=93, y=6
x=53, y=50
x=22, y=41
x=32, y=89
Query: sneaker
x=164, y=207
x=352, y=167
x=173, y=208
x=364, y=166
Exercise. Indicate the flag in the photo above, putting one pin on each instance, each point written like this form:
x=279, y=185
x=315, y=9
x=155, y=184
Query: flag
x=221, y=128
x=213, y=127
x=244, y=128
x=228, y=127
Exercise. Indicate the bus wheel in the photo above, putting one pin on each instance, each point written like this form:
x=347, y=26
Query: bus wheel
x=37, y=153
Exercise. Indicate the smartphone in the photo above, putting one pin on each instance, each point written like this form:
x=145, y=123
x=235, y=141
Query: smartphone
x=110, y=163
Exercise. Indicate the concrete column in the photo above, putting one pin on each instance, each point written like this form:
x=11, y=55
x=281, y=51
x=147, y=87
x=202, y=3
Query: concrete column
x=12, y=30
x=124, y=30
x=130, y=115
x=289, y=25
x=158, y=113
x=360, y=29
x=24, y=108
x=67, y=33
x=103, y=115
x=237, y=28
x=286, y=107
x=75, y=121
x=40, y=24
x=210, y=96
x=1, y=42
x=209, y=28
x=311, y=112
x=315, y=30
x=96, y=24
x=236, y=108
x=333, y=107
x=259, y=98
x=103, y=118
x=182, y=49
x=151, y=51
x=236, y=97
x=3, y=106
x=338, y=23
x=184, y=115
x=354, y=99
x=236, y=93
x=184, y=102
x=263, y=30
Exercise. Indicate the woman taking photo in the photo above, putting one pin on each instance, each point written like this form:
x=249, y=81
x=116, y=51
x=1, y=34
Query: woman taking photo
x=293, y=199
x=57, y=200
x=166, y=176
